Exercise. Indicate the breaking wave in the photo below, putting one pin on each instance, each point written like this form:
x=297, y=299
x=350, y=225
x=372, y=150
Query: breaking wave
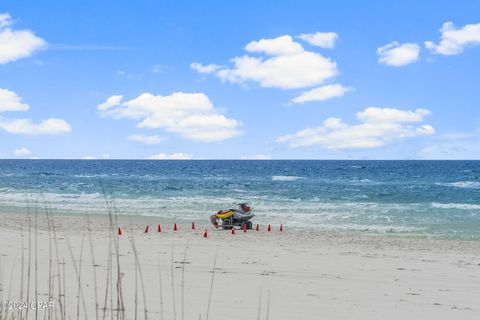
x=462, y=184
x=286, y=178
x=463, y=206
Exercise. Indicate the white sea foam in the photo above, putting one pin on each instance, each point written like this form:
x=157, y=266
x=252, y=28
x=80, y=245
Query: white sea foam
x=314, y=213
x=461, y=184
x=286, y=178
x=90, y=175
x=364, y=182
x=464, y=206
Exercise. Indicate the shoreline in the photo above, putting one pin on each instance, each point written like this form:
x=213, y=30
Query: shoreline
x=303, y=274
x=142, y=220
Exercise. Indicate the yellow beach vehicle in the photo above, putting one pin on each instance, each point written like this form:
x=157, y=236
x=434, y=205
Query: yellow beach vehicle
x=232, y=218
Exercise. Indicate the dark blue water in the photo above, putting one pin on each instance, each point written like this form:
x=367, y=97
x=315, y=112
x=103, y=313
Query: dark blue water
x=406, y=197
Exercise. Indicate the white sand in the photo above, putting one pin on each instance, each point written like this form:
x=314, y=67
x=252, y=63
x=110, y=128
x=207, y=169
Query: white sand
x=291, y=275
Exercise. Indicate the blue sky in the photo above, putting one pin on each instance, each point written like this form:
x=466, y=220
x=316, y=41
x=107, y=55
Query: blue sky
x=251, y=79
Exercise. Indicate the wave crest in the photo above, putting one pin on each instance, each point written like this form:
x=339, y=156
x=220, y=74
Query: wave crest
x=461, y=184
x=286, y=178
x=463, y=206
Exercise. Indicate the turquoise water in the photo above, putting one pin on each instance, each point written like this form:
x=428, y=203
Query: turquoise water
x=433, y=198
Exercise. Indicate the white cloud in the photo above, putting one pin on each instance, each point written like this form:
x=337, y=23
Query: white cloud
x=322, y=93
x=111, y=102
x=454, y=40
x=10, y=101
x=210, y=68
x=397, y=55
x=191, y=115
x=285, y=64
x=22, y=152
x=171, y=156
x=17, y=44
x=320, y=39
x=5, y=20
x=146, y=139
x=27, y=126
x=257, y=157
x=280, y=46
x=378, y=127
x=379, y=115
x=90, y=157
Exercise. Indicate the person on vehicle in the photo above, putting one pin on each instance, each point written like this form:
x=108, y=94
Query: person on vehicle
x=244, y=208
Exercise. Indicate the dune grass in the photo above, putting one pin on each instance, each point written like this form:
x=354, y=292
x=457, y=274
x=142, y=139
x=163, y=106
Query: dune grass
x=25, y=274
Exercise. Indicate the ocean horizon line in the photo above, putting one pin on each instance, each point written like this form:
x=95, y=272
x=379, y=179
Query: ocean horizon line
x=225, y=159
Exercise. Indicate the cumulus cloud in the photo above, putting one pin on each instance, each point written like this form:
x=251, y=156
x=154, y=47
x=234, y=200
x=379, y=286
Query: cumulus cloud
x=22, y=152
x=90, y=157
x=111, y=102
x=27, y=126
x=454, y=40
x=5, y=20
x=190, y=115
x=322, y=93
x=17, y=44
x=171, y=156
x=377, y=127
x=397, y=55
x=146, y=139
x=379, y=115
x=280, y=63
x=210, y=68
x=257, y=157
x=320, y=39
x=280, y=46
x=10, y=101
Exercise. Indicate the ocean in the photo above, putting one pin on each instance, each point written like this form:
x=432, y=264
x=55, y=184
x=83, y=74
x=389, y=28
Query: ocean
x=414, y=198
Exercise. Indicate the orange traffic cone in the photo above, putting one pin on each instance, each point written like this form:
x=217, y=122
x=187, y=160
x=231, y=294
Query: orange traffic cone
x=159, y=228
x=193, y=225
x=269, y=228
x=244, y=228
x=281, y=227
x=119, y=231
x=233, y=230
x=205, y=234
x=146, y=229
x=174, y=227
x=257, y=227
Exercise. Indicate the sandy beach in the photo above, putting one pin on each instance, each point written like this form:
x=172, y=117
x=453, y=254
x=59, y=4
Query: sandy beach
x=133, y=132
x=295, y=274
